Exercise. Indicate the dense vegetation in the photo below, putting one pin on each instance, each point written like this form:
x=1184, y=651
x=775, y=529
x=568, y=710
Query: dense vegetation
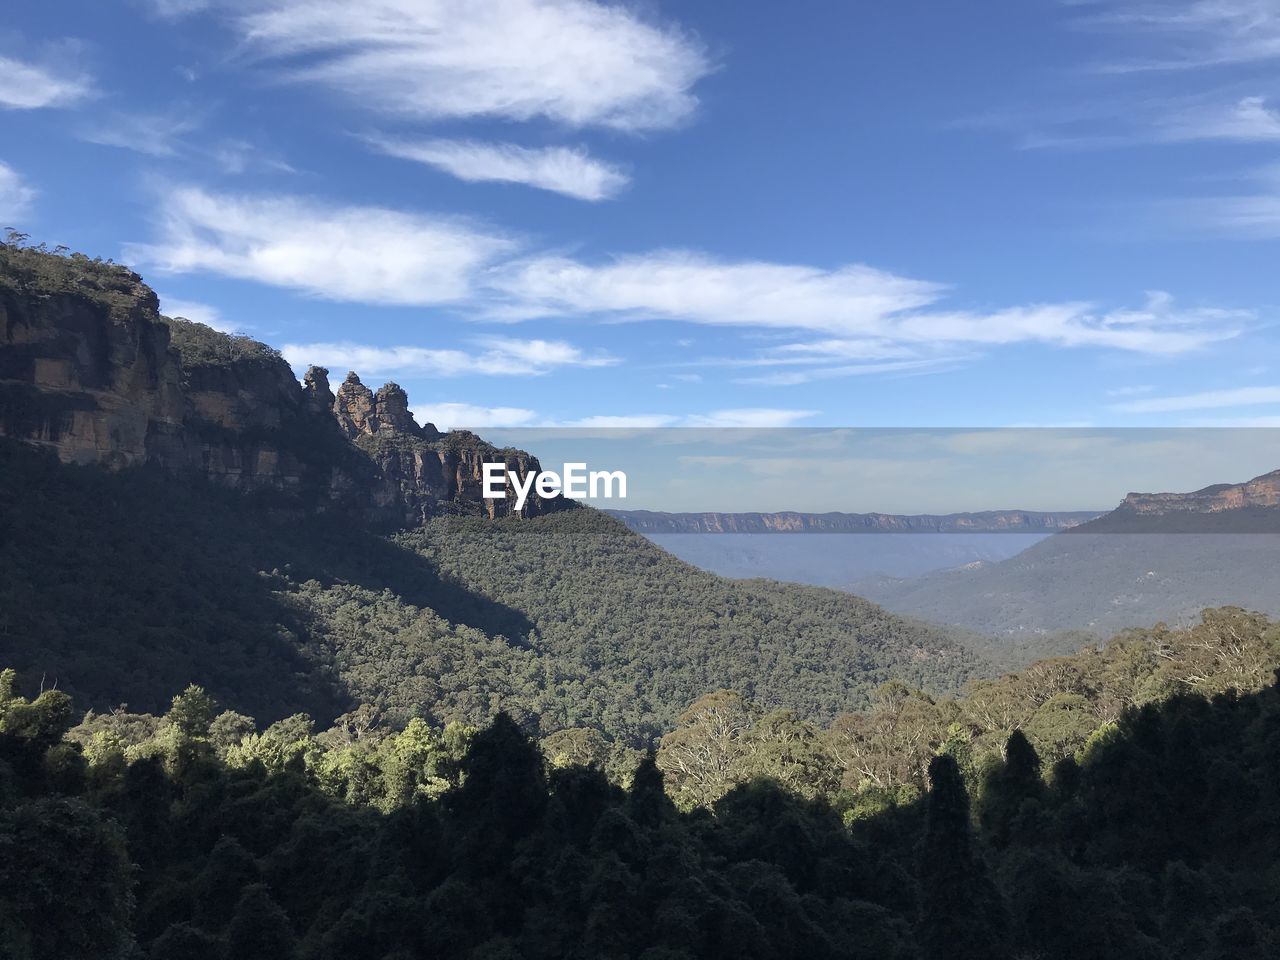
x=128, y=586
x=880, y=757
x=1098, y=582
x=200, y=345
x=1157, y=838
x=34, y=269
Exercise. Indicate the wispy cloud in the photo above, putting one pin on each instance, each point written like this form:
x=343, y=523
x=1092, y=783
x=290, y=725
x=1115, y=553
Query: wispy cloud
x=685, y=285
x=867, y=308
x=567, y=170
x=153, y=135
x=749, y=417
x=575, y=62
x=16, y=196
x=362, y=254
x=1209, y=400
x=1252, y=213
x=792, y=377
x=866, y=320
x=626, y=421
x=494, y=356
x=1249, y=119
x=464, y=416
x=199, y=312
x=1192, y=34
x=28, y=86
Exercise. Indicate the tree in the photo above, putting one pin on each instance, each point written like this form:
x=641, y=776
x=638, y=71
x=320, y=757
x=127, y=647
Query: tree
x=1010, y=789
x=260, y=929
x=66, y=882
x=960, y=916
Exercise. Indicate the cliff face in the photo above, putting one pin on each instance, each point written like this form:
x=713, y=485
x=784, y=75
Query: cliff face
x=1263, y=491
x=1224, y=508
x=89, y=369
x=990, y=521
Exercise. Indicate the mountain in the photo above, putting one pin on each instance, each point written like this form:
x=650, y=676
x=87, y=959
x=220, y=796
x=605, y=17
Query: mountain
x=1249, y=507
x=836, y=551
x=90, y=370
x=175, y=507
x=1161, y=556
x=987, y=521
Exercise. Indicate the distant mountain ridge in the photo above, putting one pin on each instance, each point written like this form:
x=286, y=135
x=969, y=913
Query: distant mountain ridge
x=1249, y=507
x=986, y=521
x=1157, y=556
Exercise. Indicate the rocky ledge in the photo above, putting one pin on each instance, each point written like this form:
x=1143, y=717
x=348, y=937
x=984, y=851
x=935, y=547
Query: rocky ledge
x=91, y=370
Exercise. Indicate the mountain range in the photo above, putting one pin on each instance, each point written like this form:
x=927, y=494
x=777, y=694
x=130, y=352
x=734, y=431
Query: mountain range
x=1156, y=556
x=986, y=521
x=175, y=507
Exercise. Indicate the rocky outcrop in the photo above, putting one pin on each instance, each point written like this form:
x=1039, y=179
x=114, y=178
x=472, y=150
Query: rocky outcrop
x=1224, y=508
x=990, y=521
x=1260, y=492
x=90, y=370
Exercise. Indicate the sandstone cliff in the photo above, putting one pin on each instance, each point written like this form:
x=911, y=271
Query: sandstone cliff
x=90, y=370
x=1263, y=491
x=989, y=521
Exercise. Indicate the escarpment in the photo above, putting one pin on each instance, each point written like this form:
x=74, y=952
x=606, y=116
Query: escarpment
x=91, y=370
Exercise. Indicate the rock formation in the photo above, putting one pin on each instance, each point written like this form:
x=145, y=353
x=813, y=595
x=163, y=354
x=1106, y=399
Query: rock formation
x=1260, y=492
x=988, y=521
x=90, y=370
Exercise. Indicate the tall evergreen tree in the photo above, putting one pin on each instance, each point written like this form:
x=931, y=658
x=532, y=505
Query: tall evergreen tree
x=960, y=916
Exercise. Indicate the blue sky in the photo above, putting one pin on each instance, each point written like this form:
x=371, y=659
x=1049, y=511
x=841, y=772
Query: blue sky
x=1020, y=212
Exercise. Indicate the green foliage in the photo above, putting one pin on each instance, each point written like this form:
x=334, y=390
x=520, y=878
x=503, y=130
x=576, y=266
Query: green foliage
x=368, y=841
x=200, y=345
x=130, y=586
x=34, y=269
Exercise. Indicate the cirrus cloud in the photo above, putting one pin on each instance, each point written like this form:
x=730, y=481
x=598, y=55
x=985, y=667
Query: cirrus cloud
x=566, y=170
x=16, y=196
x=495, y=356
x=28, y=86
x=574, y=62
x=349, y=253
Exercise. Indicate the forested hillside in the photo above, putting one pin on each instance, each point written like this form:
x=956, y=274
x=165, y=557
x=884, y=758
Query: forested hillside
x=1155, y=838
x=1097, y=582
x=121, y=587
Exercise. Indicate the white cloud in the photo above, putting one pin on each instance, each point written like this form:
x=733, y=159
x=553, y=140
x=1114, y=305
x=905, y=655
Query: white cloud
x=1209, y=400
x=16, y=196
x=1250, y=214
x=26, y=86
x=1250, y=119
x=465, y=416
x=1192, y=34
x=749, y=417
x=362, y=254
x=685, y=285
x=496, y=356
x=628, y=421
x=153, y=135
x=575, y=62
x=570, y=171
x=872, y=312
x=172, y=9
x=868, y=320
x=199, y=312
x=791, y=377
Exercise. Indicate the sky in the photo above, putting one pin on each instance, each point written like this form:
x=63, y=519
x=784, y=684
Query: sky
x=706, y=214
x=897, y=469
